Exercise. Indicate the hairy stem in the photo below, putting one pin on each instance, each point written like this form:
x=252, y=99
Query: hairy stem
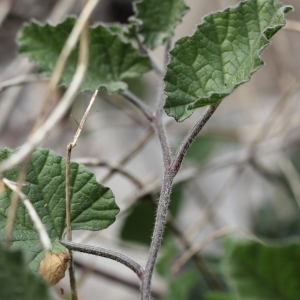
x=123, y=259
x=191, y=137
x=161, y=217
x=171, y=169
x=144, y=109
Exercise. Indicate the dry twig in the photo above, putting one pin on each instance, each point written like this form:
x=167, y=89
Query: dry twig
x=45, y=240
x=67, y=98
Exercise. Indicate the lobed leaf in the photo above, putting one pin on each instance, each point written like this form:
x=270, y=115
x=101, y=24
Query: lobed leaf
x=261, y=272
x=158, y=19
x=221, y=55
x=17, y=281
x=111, y=59
x=92, y=207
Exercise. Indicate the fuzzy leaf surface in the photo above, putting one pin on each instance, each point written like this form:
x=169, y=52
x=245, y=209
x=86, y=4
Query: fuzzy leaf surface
x=221, y=55
x=17, y=281
x=92, y=207
x=158, y=19
x=261, y=272
x=111, y=59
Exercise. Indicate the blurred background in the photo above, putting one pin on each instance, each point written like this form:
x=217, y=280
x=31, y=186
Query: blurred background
x=264, y=201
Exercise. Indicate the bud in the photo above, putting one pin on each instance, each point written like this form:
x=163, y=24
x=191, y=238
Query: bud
x=53, y=266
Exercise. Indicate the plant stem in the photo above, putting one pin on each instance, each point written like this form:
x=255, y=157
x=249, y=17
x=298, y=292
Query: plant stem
x=161, y=217
x=191, y=136
x=171, y=169
x=139, y=104
x=14, y=203
x=68, y=194
x=45, y=240
x=123, y=259
x=163, y=139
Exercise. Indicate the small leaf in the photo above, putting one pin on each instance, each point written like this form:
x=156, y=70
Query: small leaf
x=16, y=280
x=92, y=207
x=221, y=55
x=158, y=19
x=111, y=59
x=261, y=272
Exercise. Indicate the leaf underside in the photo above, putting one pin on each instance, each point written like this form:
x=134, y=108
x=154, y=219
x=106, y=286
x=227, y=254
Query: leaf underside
x=222, y=54
x=92, y=207
x=111, y=58
x=261, y=272
x=158, y=20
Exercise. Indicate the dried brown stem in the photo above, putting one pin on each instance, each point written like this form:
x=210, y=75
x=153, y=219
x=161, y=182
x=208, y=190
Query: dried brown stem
x=45, y=240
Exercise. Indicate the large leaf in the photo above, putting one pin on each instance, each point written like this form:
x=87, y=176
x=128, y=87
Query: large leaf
x=158, y=19
x=142, y=216
x=92, y=207
x=16, y=280
x=179, y=286
x=261, y=272
x=222, y=54
x=112, y=59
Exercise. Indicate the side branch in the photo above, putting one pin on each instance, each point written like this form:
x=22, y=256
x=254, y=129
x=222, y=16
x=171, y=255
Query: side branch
x=191, y=137
x=123, y=259
x=139, y=104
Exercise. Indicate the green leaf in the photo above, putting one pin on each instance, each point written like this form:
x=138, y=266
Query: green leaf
x=142, y=216
x=261, y=272
x=16, y=280
x=200, y=149
x=92, y=207
x=158, y=19
x=111, y=60
x=217, y=296
x=179, y=288
x=267, y=223
x=222, y=54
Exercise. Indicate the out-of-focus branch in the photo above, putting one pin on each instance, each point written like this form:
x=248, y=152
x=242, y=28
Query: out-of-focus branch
x=45, y=240
x=67, y=98
x=26, y=78
x=232, y=180
x=94, y=162
x=143, y=108
x=115, y=277
x=83, y=62
x=209, y=239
